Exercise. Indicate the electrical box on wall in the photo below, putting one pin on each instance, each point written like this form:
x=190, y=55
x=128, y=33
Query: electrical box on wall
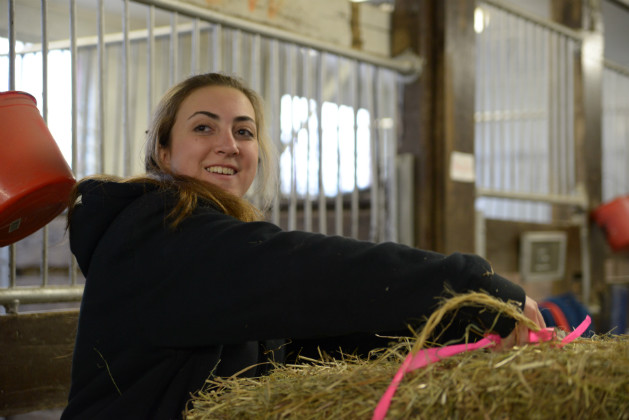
x=542, y=256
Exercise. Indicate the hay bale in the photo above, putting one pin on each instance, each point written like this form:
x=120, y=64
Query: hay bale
x=588, y=378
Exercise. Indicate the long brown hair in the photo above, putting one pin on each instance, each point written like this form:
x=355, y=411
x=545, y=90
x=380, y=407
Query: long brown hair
x=190, y=190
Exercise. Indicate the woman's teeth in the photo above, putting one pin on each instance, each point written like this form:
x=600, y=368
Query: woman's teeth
x=220, y=170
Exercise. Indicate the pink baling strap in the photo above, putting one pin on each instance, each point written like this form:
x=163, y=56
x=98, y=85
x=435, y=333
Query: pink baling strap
x=427, y=356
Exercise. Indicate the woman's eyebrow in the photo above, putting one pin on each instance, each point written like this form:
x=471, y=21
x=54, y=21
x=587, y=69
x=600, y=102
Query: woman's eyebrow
x=244, y=118
x=218, y=118
x=207, y=113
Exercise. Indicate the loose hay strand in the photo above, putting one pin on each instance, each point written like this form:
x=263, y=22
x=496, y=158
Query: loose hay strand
x=588, y=378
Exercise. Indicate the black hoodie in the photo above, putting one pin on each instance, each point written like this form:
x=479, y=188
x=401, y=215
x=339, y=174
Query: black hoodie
x=165, y=308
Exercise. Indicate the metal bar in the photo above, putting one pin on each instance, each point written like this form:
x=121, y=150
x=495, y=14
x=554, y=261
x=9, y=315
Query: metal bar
x=274, y=102
x=290, y=83
x=195, y=48
x=306, y=92
x=150, y=58
x=562, y=167
x=392, y=234
x=338, y=203
x=552, y=121
x=44, y=106
x=570, y=137
x=73, y=72
x=320, y=78
x=355, y=102
x=382, y=166
x=217, y=48
x=552, y=26
x=126, y=143
x=482, y=139
x=510, y=80
x=408, y=65
x=235, y=52
x=501, y=91
x=528, y=107
x=541, y=132
x=522, y=151
x=608, y=144
x=579, y=199
x=256, y=59
x=373, y=144
x=255, y=84
x=114, y=38
x=101, y=84
x=11, y=22
x=26, y=295
x=12, y=266
x=174, y=49
x=618, y=68
x=494, y=86
x=44, y=41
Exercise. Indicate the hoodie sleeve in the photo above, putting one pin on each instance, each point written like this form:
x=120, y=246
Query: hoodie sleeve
x=219, y=280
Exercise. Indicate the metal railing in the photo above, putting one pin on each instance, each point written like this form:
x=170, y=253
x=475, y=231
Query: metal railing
x=525, y=116
x=615, y=127
x=525, y=145
x=116, y=76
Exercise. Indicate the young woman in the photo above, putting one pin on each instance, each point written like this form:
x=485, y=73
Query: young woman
x=185, y=281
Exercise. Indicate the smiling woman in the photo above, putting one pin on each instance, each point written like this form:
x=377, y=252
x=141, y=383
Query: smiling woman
x=214, y=139
x=204, y=288
x=219, y=114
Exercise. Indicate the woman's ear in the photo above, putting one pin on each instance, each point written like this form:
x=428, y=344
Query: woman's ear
x=164, y=156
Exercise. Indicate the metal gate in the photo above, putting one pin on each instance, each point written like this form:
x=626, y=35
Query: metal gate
x=615, y=131
x=328, y=107
x=524, y=140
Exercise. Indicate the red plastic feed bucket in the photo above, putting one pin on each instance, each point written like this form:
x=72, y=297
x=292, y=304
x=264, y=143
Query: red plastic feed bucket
x=35, y=180
x=613, y=217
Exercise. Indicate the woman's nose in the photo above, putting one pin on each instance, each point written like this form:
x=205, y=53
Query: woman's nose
x=227, y=144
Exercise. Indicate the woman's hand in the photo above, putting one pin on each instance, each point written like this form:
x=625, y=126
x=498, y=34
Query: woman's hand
x=520, y=334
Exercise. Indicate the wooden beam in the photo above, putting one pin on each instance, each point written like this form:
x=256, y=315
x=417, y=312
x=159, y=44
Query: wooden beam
x=455, y=117
x=413, y=30
x=438, y=116
x=36, y=356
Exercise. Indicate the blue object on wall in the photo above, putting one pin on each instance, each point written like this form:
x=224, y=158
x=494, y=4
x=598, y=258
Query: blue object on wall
x=618, y=317
x=574, y=311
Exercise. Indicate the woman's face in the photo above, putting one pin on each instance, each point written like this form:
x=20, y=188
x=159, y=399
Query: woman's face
x=214, y=139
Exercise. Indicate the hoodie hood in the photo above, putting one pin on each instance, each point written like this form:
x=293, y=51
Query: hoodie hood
x=100, y=203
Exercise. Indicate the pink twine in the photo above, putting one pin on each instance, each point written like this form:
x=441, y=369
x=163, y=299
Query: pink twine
x=427, y=356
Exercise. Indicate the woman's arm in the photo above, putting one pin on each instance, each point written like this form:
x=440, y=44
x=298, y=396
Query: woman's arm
x=229, y=281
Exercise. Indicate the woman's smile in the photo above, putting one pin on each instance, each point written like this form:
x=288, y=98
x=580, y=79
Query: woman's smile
x=222, y=170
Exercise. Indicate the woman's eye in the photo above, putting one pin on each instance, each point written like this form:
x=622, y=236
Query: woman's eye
x=202, y=128
x=245, y=133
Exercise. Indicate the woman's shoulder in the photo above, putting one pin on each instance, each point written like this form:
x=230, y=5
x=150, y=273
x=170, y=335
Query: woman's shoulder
x=117, y=187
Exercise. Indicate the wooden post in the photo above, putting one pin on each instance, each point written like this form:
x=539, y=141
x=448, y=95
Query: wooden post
x=438, y=116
